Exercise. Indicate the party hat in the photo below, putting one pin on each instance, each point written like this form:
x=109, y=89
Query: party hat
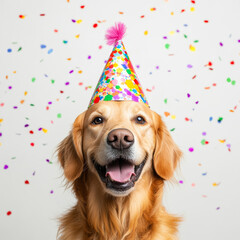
x=118, y=80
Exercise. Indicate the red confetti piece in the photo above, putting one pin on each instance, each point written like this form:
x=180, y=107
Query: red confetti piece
x=55, y=30
x=32, y=144
x=206, y=21
x=26, y=182
x=95, y=25
x=183, y=10
x=21, y=16
x=142, y=16
x=193, y=2
x=9, y=213
x=42, y=14
x=194, y=77
x=82, y=6
x=232, y=62
x=31, y=132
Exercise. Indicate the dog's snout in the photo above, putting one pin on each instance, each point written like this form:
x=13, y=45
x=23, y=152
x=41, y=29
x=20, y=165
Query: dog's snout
x=120, y=138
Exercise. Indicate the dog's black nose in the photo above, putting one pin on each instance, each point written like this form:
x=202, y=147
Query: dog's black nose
x=120, y=138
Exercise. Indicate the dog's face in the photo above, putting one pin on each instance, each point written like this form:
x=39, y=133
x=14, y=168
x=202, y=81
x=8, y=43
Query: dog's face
x=119, y=141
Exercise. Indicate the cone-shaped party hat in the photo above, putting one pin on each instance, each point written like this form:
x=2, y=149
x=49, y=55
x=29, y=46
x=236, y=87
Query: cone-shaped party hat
x=119, y=80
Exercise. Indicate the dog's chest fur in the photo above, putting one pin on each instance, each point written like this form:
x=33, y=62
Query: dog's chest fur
x=104, y=217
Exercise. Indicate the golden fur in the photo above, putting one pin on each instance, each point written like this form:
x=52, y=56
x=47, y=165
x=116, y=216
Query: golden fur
x=100, y=215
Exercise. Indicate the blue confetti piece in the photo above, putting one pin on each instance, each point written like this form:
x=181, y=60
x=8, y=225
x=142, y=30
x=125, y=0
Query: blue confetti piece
x=50, y=51
x=43, y=46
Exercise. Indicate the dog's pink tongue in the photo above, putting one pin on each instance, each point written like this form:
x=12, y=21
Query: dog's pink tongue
x=120, y=171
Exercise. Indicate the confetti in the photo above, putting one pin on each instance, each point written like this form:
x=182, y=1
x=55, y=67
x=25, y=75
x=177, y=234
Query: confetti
x=9, y=213
x=191, y=149
x=5, y=167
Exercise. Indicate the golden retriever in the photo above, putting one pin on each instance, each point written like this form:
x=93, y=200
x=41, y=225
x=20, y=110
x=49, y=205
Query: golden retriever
x=117, y=157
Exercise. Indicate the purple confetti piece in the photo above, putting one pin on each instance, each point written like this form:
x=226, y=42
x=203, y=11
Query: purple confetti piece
x=191, y=149
x=189, y=66
x=5, y=167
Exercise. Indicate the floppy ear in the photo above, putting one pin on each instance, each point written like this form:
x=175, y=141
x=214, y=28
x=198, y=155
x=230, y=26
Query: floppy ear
x=166, y=154
x=70, y=151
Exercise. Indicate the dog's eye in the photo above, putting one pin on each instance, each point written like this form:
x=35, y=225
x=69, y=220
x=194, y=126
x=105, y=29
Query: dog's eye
x=140, y=120
x=97, y=120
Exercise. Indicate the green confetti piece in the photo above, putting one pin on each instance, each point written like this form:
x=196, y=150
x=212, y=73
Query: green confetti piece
x=229, y=80
x=65, y=42
x=220, y=119
x=165, y=100
x=59, y=115
x=19, y=49
x=185, y=35
x=33, y=79
x=172, y=129
x=196, y=41
x=13, y=158
x=203, y=142
x=167, y=45
x=117, y=87
x=32, y=105
x=108, y=98
x=233, y=82
x=52, y=81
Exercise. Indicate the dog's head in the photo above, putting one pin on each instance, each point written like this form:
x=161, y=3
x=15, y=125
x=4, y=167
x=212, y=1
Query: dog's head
x=119, y=141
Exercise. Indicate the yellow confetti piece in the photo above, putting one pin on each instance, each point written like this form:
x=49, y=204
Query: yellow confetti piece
x=215, y=184
x=44, y=130
x=192, y=48
x=146, y=33
x=77, y=36
x=192, y=9
x=172, y=13
x=1, y=120
x=79, y=21
x=153, y=9
x=25, y=93
x=173, y=117
x=14, y=71
x=222, y=141
x=172, y=33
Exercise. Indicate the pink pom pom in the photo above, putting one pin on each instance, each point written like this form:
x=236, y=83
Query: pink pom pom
x=115, y=33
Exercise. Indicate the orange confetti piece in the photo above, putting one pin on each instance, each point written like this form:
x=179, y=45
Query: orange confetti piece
x=14, y=71
x=22, y=101
x=25, y=93
x=80, y=71
x=6, y=76
x=222, y=141
x=120, y=12
x=207, y=88
x=166, y=114
x=69, y=59
x=1, y=120
x=153, y=9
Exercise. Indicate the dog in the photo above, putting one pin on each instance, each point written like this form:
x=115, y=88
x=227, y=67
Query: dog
x=116, y=158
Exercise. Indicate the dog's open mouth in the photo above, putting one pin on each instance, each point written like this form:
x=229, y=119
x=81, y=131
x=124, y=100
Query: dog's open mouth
x=120, y=174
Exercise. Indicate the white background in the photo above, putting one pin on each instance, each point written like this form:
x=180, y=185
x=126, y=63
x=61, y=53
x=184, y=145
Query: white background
x=206, y=193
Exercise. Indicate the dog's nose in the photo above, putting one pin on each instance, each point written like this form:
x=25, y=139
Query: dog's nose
x=120, y=138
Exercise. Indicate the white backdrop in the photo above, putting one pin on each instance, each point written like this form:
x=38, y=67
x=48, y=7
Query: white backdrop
x=187, y=57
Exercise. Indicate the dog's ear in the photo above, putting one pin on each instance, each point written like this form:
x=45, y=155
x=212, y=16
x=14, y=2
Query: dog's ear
x=167, y=154
x=70, y=151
